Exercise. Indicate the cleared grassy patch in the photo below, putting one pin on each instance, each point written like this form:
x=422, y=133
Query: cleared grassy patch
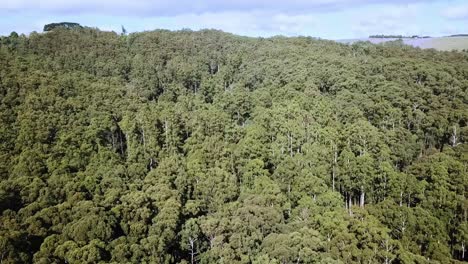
x=447, y=43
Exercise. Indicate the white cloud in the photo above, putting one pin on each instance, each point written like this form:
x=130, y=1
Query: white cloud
x=389, y=20
x=245, y=23
x=456, y=12
x=321, y=18
x=172, y=7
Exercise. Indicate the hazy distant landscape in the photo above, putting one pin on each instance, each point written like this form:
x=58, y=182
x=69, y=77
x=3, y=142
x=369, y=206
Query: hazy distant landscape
x=438, y=43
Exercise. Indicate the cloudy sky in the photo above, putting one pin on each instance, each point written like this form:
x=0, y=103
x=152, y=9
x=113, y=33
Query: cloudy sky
x=330, y=19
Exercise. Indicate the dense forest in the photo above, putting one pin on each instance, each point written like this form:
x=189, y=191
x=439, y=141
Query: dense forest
x=207, y=147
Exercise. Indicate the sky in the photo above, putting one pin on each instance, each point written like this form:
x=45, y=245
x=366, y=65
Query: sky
x=327, y=19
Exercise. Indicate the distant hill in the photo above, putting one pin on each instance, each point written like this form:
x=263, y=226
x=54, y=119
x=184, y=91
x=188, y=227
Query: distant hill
x=459, y=35
x=397, y=36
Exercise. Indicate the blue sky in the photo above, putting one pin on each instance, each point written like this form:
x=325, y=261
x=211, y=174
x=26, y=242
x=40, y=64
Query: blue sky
x=330, y=19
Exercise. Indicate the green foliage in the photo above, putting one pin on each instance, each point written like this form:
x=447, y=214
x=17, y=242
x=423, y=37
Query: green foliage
x=206, y=147
x=68, y=25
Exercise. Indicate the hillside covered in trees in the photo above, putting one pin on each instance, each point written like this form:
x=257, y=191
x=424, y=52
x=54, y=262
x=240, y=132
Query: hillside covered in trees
x=206, y=147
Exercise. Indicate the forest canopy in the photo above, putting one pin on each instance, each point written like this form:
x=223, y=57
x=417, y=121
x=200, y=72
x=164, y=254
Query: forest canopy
x=207, y=147
x=69, y=25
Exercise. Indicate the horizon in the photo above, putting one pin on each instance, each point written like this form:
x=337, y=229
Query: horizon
x=325, y=19
x=384, y=36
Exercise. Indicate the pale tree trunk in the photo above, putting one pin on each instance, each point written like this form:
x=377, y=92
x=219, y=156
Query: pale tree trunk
x=335, y=159
x=346, y=202
x=454, y=136
x=192, y=250
x=350, y=204
x=290, y=139
x=388, y=249
x=401, y=198
x=402, y=225
x=463, y=251
x=211, y=241
x=362, y=198
x=166, y=132
x=289, y=197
